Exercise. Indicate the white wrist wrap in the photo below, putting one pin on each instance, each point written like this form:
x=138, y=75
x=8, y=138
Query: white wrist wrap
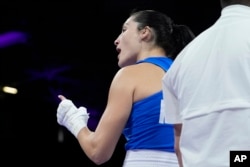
x=73, y=118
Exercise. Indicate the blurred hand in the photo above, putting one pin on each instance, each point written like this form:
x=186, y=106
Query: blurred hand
x=71, y=117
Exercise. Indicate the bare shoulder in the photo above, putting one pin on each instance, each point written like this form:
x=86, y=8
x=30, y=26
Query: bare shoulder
x=139, y=73
x=124, y=83
x=140, y=80
x=126, y=73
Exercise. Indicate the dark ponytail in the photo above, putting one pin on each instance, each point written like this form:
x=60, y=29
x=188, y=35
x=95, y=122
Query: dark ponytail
x=182, y=35
x=172, y=38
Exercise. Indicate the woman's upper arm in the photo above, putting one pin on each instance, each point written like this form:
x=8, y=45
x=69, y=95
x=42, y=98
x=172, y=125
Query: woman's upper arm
x=115, y=116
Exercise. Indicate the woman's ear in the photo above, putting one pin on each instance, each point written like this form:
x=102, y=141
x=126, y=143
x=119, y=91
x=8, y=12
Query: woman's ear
x=146, y=33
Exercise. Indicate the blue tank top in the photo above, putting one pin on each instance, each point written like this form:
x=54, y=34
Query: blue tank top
x=143, y=130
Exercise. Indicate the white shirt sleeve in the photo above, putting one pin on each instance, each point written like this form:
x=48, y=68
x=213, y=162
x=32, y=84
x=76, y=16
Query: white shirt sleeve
x=170, y=103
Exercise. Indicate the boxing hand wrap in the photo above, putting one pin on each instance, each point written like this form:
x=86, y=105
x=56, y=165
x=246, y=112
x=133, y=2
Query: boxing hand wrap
x=71, y=117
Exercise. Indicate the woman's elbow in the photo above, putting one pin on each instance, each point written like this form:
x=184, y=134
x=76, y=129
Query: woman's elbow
x=100, y=159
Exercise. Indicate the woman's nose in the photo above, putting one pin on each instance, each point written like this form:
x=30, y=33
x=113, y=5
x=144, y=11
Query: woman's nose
x=116, y=42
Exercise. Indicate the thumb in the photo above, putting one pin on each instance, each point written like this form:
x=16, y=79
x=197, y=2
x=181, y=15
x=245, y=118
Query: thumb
x=61, y=97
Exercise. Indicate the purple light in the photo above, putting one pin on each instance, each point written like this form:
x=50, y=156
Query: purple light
x=12, y=38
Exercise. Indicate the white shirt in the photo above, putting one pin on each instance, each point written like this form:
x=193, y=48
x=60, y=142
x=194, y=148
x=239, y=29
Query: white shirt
x=207, y=89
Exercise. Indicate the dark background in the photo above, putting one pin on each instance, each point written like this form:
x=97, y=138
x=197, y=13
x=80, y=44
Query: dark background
x=69, y=49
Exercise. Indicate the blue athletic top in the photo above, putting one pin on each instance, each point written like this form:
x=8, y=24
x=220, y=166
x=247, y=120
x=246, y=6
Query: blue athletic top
x=143, y=130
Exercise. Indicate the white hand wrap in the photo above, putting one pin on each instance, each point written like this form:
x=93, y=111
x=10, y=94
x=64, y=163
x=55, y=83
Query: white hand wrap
x=73, y=118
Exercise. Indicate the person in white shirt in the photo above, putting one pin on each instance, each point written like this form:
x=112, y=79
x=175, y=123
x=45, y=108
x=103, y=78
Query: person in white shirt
x=206, y=91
